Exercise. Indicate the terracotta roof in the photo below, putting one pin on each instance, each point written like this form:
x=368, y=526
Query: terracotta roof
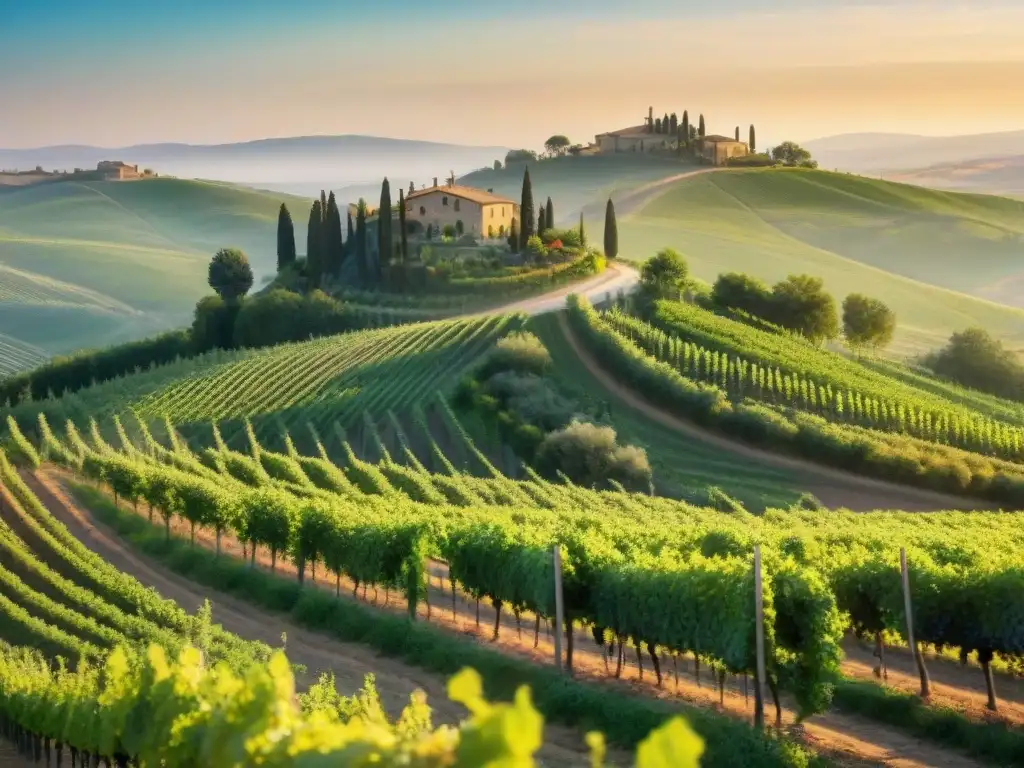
x=722, y=140
x=466, y=193
x=636, y=130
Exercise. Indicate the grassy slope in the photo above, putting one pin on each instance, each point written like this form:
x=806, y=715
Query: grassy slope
x=88, y=264
x=572, y=182
x=848, y=230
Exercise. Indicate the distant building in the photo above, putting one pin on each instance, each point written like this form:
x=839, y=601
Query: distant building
x=718, y=149
x=482, y=214
x=353, y=209
x=637, y=138
x=115, y=170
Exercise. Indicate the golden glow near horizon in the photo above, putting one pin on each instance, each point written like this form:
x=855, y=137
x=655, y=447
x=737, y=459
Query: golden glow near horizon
x=928, y=68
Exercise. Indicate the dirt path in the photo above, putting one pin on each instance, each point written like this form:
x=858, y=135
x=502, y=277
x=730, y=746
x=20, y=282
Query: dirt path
x=834, y=487
x=616, y=277
x=850, y=738
x=350, y=662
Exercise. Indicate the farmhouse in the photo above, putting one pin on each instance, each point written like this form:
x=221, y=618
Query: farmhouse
x=469, y=210
x=115, y=170
x=718, y=149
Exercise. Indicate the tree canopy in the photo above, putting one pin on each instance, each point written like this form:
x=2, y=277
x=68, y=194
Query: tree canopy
x=791, y=154
x=557, y=144
x=664, y=275
x=867, y=322
x=519, y=156
x=285, y=238
x=973, y=358
x=736, y=290
x=801, y=303
x=230, y=274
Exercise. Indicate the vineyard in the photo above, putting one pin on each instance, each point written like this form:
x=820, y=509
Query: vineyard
x=665, y=590
x=659, y=366
x=18, y=356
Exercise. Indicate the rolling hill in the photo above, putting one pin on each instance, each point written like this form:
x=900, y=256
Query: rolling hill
x=942, y=260
x=877, y=152
x=94, y=263
x=992, y=175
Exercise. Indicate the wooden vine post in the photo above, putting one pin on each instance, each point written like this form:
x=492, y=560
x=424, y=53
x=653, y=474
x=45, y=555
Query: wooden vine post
x=922, y=671
x=557, y=556
x=759, y=641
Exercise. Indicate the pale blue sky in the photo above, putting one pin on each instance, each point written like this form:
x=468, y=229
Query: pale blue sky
x=116, y=72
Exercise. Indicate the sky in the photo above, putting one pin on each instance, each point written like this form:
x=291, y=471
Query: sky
x=119, y=72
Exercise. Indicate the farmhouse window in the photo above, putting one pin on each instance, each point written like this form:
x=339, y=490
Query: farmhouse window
x=456, y=203
x=444, y=200
x=423, y=211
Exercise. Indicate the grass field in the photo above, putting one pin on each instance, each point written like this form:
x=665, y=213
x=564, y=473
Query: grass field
x=574, y=182
x=919, y=250
x=86, y=264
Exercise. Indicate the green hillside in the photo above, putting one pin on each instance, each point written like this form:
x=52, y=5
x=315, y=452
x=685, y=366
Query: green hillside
x=921, y=251
x=94, y=263
x=573, y=182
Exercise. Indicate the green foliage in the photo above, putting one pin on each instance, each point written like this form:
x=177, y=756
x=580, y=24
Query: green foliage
x=519, y=351
x=867, y=322
x=973, y=358
x=527, y=216
x=230, y=274
x=589, y=455
x=791, y=154
x=667, y=371
x=801, y=303
x=611, y=231
x=285, y=239
x=213, y=326
x=664, y=275
x=19, y=446
x=557, y=145
x=735, y=290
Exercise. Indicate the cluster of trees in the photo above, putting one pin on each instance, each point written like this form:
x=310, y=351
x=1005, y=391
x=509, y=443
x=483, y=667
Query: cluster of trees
x=330, y=248
x=543, y=426
x=974, y=358
x=799, y=303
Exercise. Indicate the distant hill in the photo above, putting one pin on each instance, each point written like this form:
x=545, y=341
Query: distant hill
x=86, y=264
x=994, y=175
x=879, y=152
x=940, y=259
x=323, y=161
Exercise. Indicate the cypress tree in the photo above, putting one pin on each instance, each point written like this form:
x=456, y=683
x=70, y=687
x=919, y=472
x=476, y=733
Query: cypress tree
x=583, y=232
x=665, y=123
x=323, y=203
x=285, y=239
x=513, y=236
x=314, y=246
x=737, y=133
x=700, y=127
x=657, y=125
x=611, y=231
x=549, y=214
x=333, y=247
x=753, y=139
x=403, y=238
x=350, y=232
x=385, y=243
x=686, y=125
x=362, y=259
x=673, y=124
x=526, y=214
x=542, y=223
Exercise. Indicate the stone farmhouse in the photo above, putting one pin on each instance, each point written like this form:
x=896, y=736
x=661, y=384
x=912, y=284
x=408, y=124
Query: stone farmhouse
x=716, y=150
x=473, y=211
x=115, y=170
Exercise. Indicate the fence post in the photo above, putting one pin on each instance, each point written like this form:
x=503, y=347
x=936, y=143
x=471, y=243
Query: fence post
x=557, y=555
x=908, y=609
x=759, y=640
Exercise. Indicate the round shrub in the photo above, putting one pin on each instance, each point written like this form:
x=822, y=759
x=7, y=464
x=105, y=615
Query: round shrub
x=519, y=351
x=588, y=455
x=723, y=544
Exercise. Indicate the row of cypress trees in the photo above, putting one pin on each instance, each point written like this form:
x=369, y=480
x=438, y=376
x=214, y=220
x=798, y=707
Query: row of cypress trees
x=521, y=232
